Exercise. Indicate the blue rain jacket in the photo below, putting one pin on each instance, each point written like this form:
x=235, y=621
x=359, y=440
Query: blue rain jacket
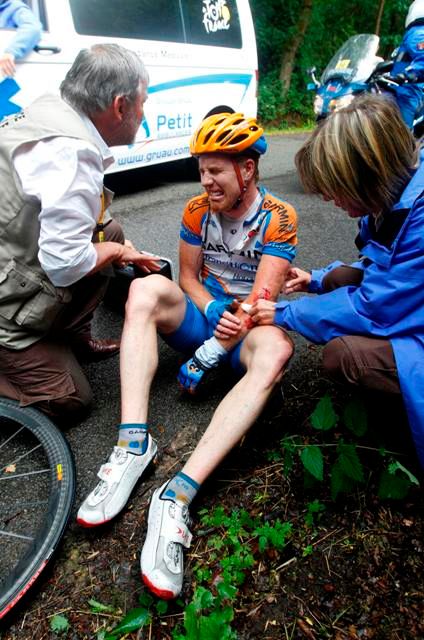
x=389, y=303
x=15, y=14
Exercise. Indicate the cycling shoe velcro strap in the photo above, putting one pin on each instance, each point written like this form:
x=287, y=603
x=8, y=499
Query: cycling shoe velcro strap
x=181, y=534
x=110, y=472
x=177, y=532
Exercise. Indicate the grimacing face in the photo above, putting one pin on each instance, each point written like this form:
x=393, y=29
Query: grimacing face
x=218, y=178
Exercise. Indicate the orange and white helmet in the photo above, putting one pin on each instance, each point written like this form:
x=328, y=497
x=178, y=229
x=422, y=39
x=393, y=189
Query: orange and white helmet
x=230, y=133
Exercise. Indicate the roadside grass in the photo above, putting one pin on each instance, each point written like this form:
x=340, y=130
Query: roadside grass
x=280, y=543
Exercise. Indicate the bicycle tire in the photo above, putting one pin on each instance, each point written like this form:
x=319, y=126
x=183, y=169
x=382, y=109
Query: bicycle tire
x=60, y=478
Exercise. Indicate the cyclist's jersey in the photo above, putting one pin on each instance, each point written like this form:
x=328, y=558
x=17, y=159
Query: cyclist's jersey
x=270, y=230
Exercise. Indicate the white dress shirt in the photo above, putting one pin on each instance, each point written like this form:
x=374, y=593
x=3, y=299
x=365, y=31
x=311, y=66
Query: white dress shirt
x=66, y=176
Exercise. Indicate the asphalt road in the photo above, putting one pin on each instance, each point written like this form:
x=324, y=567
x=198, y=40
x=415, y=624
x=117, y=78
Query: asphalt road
x=150, y=212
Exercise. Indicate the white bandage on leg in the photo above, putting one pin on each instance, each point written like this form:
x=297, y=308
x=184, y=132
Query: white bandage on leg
x=210, y=353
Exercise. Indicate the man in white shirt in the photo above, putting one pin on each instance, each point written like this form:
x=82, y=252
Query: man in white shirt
x=58, y=242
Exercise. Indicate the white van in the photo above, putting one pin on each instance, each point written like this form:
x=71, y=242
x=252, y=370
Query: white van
x=200, y=54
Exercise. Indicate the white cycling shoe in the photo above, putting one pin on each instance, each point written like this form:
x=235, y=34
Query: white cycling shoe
x=117, y=479
x=162, y=563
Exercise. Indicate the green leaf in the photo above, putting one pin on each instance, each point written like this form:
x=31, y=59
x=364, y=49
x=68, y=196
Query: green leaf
x=355, y=417
x=393, y=485
x=161, y=607
x=340, y=482
x=98, y=607
x=226, y=591
x=134, y=620
x=216, y=625
x=349, y=462
x=397, y=466
x=202, y=598
x=313, y=461
x=58, y=624
x=191, y=620
x=145, y=599
x=324, y=417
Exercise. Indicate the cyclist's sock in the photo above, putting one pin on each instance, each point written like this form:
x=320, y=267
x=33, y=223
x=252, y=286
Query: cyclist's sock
x=133, y=437
x=181, y=488
x=210, y=353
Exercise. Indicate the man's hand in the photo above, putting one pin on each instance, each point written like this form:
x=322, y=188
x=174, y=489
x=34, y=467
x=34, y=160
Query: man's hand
x=190, y=375
x=263, y=312
x=297, y=280
x=7, y=65
x=146, y=262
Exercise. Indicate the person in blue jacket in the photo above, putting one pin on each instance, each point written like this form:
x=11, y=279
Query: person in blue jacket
x=370, y=314
x=408, y=68
x=15, y=14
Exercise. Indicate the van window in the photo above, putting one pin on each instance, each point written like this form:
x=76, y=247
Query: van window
x=208, y=22
x=212, y=22
x=141, y=19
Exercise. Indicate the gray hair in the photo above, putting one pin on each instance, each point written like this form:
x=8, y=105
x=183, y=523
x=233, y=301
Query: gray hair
x=101, y=73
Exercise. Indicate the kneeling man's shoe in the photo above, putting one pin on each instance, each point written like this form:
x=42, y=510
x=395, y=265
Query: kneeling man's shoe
x=93, y=350
x=117, y=479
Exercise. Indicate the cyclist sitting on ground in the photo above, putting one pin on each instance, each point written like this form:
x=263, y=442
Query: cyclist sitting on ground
x=237, y=243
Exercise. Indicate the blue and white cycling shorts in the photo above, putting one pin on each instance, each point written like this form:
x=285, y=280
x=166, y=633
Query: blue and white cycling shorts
x=193, y=331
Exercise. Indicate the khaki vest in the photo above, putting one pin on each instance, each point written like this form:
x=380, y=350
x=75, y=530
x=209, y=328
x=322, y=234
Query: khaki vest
x=29, y=302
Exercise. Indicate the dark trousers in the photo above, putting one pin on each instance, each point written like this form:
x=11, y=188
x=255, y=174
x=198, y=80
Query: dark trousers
x=47, y=374
x=361, y=361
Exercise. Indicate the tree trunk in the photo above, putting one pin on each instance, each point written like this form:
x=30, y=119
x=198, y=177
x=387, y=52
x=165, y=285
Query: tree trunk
x=289, y=55
x=379, y=17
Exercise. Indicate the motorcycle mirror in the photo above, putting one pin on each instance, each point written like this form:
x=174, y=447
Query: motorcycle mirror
x=311, y=70
x=384, y=67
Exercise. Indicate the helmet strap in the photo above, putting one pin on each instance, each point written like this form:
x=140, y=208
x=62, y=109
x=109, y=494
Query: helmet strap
x=241, y=183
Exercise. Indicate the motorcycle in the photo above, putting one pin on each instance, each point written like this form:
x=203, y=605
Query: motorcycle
x=353, y=70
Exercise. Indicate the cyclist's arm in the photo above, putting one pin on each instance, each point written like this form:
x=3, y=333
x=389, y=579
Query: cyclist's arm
x=270, y=278
x=191, y=260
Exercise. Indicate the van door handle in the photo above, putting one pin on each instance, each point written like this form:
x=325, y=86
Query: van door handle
x=46, y=47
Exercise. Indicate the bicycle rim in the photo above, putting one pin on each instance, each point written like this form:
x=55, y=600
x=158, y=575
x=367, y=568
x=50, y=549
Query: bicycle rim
x=37, y=485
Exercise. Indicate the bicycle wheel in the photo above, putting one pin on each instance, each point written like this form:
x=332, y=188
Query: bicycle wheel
x=37, y=485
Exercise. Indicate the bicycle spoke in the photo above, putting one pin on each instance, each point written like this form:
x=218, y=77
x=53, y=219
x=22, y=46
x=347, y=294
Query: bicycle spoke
x=8, y=534
x=24, y=455
x=11, y=437
x=22, y=505
x=21, y=475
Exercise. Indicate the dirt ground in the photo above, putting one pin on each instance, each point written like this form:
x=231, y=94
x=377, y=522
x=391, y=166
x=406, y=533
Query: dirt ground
x=357, y=572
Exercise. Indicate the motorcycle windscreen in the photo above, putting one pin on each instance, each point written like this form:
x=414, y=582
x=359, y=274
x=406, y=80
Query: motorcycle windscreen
x=354, y=61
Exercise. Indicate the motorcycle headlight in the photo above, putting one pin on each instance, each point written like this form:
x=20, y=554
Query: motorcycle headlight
x=318, y=102
x=339, y=103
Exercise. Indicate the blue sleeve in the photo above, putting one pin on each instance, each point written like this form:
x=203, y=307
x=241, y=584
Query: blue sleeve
x=280, y=250
x=318, y=275
x=189, y=236
x=28, y=33
x=389, y=302
x=320, y=319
